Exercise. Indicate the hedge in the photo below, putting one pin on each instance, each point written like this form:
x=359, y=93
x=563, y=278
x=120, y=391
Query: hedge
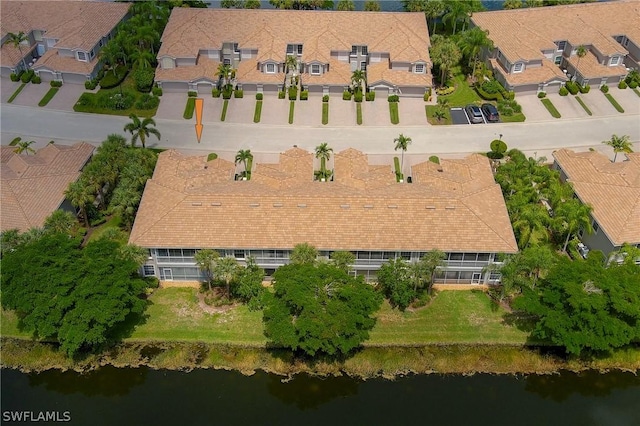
x=215, y=92
x=393, y=98
x=157, y=91
x=110, y=80
x=293, y=93
x=346, y=95
x=325, y=98
x=238, y=94
x=259, y=96
x=393, y=112
x=370, y=96
x=434, y=159
x=147, y=101
x=304, y=95
x=144, y=79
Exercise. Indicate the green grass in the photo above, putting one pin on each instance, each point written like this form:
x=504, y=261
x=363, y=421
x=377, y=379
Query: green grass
x=615, y=103
x=9, y=325
x=48, y=96
x=16, y=93
x=189, y=108
x=515, y=118
x=550, y=107
x=174, y=315
x=292, y=105
x=225, y=105
x=393, y=112
x=584, y=106
x=430, y=111
x=464, y=94
x=637, y=92
x=129, y=84
x=325, y=112
x=113, y=222
x=359, y=113
x=452, y=317
x=258, y=112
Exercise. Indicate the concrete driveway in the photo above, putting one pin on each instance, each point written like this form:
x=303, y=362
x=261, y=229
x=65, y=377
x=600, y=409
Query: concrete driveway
x=568, y=106
x=627, y=98
x=599, y=104
x=309, y=112
x=533, y=109
x=343, y=113
x=376, y=113
x=412, y=112
x=7, y=88
x=172, y=106
x=66, y=97
x=31, y=94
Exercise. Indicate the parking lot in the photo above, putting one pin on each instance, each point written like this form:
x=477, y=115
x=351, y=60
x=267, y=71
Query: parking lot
x=464, y=116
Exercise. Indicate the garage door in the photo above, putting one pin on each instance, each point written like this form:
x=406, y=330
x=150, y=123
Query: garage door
x=412, y=92
x=529, y=89
x=68, y=77
x=175, y=86
x=46, y=75
x=249, y=88
x=381, y=92
x=316, y=88
x=204, y=88
x=336, y=89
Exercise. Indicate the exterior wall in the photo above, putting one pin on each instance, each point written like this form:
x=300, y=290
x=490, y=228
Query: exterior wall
x=598, y=241
x=5, y=72
x=167, y=63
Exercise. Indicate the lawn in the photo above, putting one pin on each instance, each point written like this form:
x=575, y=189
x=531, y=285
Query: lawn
x=225, y=105
x=325, y=112
x=292, y=105
x=464, y=94
x=515, y=118
x=16, y=93
x=359, y=112
x=584, y=106
x=550, y=107
x=189, y=108
x=48, y=96
x=430, y=111
x=258, y=112
x=113, y=222
x=393, y=113
x=452, y=317
x=128, y=84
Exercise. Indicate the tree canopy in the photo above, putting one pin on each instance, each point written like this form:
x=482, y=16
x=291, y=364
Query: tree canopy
x=77, y=296
x=319, y=309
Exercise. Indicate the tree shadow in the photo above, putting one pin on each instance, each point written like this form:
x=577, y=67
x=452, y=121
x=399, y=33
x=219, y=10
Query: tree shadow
x=520, y=320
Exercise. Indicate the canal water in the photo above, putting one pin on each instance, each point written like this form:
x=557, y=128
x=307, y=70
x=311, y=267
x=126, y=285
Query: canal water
x=142, y=396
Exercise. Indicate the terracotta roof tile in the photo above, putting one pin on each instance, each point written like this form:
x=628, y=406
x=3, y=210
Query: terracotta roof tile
x=546, y=73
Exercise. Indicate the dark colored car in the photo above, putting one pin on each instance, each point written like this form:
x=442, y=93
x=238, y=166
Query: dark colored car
x=490, y=112
x=474, y=114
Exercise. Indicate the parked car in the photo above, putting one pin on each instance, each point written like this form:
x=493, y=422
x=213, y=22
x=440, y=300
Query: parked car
x=474, y=114
x=490, y=112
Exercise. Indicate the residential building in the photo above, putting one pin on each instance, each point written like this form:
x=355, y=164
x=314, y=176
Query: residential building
x=63, y=37
x=33, y=186
x=191, y=203
x=536, y=49
x=613, y=191
x=393, y=49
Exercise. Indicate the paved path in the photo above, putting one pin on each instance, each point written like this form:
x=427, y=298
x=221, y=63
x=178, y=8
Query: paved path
x=538, y=137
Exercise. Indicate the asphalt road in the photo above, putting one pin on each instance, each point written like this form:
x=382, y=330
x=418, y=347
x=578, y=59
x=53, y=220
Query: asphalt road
x=541, y=137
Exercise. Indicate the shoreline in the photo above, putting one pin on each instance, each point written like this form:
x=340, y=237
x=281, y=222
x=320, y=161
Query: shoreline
x=385, y=362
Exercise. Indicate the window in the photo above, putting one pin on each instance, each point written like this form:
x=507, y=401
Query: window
x=419, y=69
x=626, y=42
x=315, y=69
x=558, y=60
x=595, y=227
x=148, y=270
x=363, y=65
x=615, y=60
x=271, y=69
x=235, y=48
x=82, y=56
x=364, y=50
x=100, y=43
x=518, y=67
x=561, y=45
x=226, y=61
x=299, y=49
x=354, y=50
x=92, y=54
x=289, y=48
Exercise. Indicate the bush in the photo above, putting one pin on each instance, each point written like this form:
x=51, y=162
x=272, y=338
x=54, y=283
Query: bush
x=427, y=94
x=572, y=87
x=585, y=89
x=498, y=146
x=238, y=93
x=259, y=96
x=157, y=91
x=393, y=98
x=633, y=76
x=508, y=107
x=215, y=92
x=434, y=159
x=541, y=95
x=633, y=84
x=511, y=95
x=604, y=88
x=36, y=79
x=147, y=101
x=14, y=77
x=26, y=77
x=370, y=96
x=325, y=98
x=100, y=74
x=144, y=79
x=491, y=87
x=192, y=94
x=304, y=95
x=55, y=83
x=346, y=95
x=110, y=80
x=293, y=93
x=563, y=91
x=226, y=93
x=281, y=94
x=443, y=91
x=212, y=156
x=90, y=84
x=622, y=85
x=357, y=97
x=116, y=101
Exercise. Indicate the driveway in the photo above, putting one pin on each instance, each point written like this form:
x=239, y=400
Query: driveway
x=274, y=110
x=533, y=109
x=7, y=88
x=309, y=112
x=240, y=110
x=412, y=112
x=172, y=106
x=31, y=94
x=376, y=113
x=66, y=97
x=343, y=113
x=627, y=98
x=567, y=106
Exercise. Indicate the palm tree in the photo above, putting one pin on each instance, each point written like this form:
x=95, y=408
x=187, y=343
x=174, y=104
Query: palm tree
x=25, y=146
x=323, y=152
x=60, y=222
x=343, y=260
x=530, y=223
x=146, y=36
x=245, y=157
x=134, y=253
x=140, y=129
x=142, y=58
x=224, y=73
x=291, y=64
x=457, y=10
x=371, y=6
x=402, y=142
x=439, y=114
x=446, y=54
x=581, y=52
x=80, y=195
x=574, y=215
x=206, y=260
x=303, y=254
x=110, y=54
x=226, y=269
x=619, y=144
x=346, y=5
x=359, y=80
x=16, y=40
x=472, y=42
x=430, y=262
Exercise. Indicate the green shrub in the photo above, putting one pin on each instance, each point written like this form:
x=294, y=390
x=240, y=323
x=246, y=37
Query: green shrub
x=192, y=94
x=443, y=91
x=585, y=89
x=259, y=96
x=622, y=85
x=508, y=107
x=293, y=93
x=147, y=101
x=90, y=84
x=14, y=77
x=498, y=146
x=215, y=92
x=604, y=88
x=495, y=155
x=393, y=98
x=26, y=77
x=357, y=97
x=491, y=87
x=144, y=79
x=563, y=91
x=633, y=76
x=427, y=94
x=281, y=94
x=346, y=95
x=238, y=93
x=370, y=96
x=157, y=91
x=572, y=87
x=55, y=83
x=226, y=93
x=110, y=80
x=325, y=98
x=304, y=95
x=100, y=74
x=434, y=159
x=36, y=79
x=116, y=101
x=541, y=95
x=511, y=95
x=633, y=84
x=212, y=156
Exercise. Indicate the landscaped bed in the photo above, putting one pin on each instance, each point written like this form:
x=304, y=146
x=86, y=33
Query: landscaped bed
x=48, y=96
x=550, y=107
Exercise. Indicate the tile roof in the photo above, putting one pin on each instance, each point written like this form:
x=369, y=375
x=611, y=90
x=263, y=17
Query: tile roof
x=545, y=73
x=54, y=62
x=612, y=189
x=589, y=66
x=363, y=208
x=380, y=72
x=33, y=185
x=75, y=24
x=522, y=34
